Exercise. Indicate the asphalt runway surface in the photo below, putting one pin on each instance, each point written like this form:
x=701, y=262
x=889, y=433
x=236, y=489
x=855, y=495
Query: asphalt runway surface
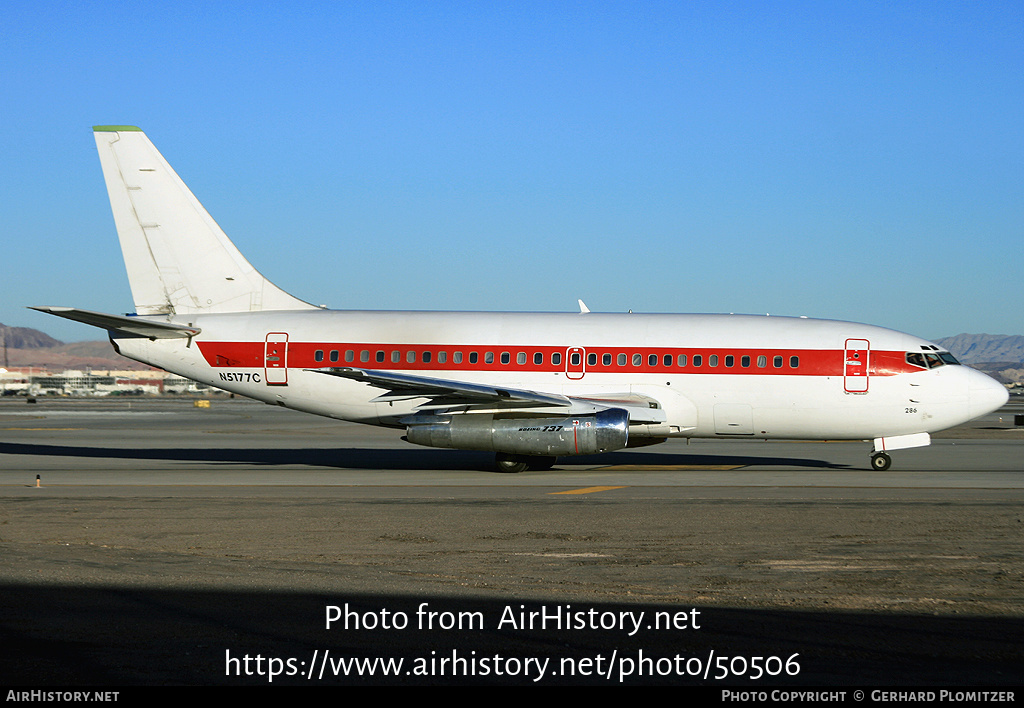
x=164, y=544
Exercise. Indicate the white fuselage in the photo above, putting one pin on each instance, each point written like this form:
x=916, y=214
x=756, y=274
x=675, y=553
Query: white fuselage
x=735, y=376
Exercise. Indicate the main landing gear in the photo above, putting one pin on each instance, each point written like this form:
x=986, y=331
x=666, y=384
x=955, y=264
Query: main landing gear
x=507, y=462
x=880, y=462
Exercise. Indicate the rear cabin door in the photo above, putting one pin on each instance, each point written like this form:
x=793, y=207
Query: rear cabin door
x=275, y=359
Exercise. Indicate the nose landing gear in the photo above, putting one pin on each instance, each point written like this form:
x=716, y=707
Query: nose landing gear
x=880, y=462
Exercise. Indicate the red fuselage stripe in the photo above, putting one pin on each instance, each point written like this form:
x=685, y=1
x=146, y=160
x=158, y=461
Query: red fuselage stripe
x=396, y=357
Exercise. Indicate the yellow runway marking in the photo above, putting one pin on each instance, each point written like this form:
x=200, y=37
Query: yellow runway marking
x=588, y=490
x=40, y=428
x=669, y=468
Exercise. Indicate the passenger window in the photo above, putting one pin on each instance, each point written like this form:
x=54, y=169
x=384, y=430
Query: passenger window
x=591, y=359
x=698, y=360
x=473, y=357
x=442, y=357
x=457, y=357
x=606, y=359
x=713, y=360
x=794, y=362
x=730, y=360
x=538, y=358
x=364, y=355
x=488, y=357
x=396, y=356
x=622, y=359
x=380, y=355
x=350, y=355
x=762, y=361
x=556, y=359
x=574, y=358
x=521, y=358
x=777, y=362
x=637, y=360
x=334, y=355
x=318, y=355
x=410, y=356
x=426, y=357
x=652, y=360
x=506, y=357
x=681, y=360
x=745, y=361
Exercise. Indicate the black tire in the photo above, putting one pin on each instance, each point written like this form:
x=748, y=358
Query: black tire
x=510, y=464
x=880, y=462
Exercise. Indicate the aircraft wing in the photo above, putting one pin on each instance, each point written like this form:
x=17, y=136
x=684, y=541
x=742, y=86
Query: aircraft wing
x=446, y=395
x=120, y=323
x=443, y=392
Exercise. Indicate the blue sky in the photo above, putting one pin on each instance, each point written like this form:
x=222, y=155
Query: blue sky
x=859, y=161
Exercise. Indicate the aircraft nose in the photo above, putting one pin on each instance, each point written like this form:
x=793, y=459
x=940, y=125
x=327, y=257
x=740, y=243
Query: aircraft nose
x=986, y=394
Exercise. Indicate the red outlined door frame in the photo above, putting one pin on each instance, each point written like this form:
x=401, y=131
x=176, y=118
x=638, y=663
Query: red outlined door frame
x=275, y=359
x=579, y=369
x=856, y=365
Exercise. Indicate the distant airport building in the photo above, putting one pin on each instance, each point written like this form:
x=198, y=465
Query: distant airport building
x=31, y=381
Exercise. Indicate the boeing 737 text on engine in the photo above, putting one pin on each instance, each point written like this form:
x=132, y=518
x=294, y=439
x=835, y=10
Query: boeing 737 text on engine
x=528, y=386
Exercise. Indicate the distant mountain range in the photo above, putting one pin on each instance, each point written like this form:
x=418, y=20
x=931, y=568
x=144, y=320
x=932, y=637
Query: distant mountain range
x=985, y=348
x=23, y=347
x=26, y=338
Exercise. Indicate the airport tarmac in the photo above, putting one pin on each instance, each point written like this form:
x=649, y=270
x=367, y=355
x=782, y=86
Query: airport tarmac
x=164, y=540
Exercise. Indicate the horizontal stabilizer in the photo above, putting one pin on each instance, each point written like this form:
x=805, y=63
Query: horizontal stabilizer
x=120, y=323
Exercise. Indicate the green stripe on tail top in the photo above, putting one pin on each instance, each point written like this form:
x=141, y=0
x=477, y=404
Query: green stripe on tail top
x=114, y=128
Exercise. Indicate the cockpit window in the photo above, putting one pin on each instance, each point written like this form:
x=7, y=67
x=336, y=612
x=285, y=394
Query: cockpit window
x=916, y=359
x=930, y=360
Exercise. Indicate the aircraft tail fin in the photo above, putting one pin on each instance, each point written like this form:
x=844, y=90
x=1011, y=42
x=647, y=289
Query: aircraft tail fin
x=179, y=261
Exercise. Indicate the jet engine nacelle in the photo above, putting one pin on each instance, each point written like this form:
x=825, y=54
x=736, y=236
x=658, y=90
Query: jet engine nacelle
x=553, y=437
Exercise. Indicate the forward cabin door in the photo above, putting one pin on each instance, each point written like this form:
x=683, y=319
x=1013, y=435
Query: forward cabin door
x=275, y=359
x=857, y=360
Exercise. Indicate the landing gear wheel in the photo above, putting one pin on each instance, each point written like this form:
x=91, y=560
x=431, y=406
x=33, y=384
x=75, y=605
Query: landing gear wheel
x=510, y=463
x=880, y=462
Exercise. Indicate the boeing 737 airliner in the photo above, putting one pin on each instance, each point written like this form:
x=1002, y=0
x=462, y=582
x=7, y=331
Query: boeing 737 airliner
x=528, y=386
